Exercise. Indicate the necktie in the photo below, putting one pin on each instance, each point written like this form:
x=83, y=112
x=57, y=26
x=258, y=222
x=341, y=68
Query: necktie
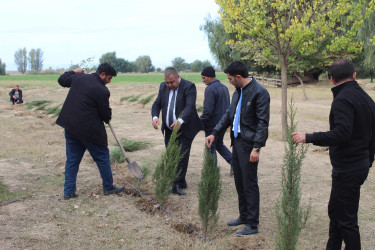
x=238, y=111
x=171, y=108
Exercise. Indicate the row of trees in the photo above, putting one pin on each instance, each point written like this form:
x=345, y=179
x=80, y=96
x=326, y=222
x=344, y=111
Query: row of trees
x=295, y=36
x=32, y=60
x=180, y=64
x=142, y=64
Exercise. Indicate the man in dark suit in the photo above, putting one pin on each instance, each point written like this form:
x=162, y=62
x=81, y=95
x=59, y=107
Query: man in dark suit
x=176, y=100
x=85, y=109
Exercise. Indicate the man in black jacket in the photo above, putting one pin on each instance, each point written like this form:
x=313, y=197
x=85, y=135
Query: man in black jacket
x=176, y=100
x=85, y=109
x=248, y=116
x=16, y=95
x=351, y=142
x=216, y=102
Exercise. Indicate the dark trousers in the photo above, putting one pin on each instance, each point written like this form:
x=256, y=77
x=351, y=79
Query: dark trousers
x=75, y=148
x=218, y=145
x=15, y=100
x=246, y=180
x=343, y=210
x=183, y=164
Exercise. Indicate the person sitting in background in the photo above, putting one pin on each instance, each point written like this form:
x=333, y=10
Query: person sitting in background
x=16, y=95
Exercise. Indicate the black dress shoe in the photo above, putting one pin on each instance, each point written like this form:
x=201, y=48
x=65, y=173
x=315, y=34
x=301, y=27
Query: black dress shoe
x=69, y=196
x=231, y=171
x=176, y=189
x=236, y=222
x=114, y=190
x=247, y=230
x=183, y=186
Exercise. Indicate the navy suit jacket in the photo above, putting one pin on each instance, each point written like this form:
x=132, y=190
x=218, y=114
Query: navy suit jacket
x=184, y=109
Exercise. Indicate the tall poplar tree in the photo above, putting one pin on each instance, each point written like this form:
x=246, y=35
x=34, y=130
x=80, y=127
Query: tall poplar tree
x=285, y=32
x=2, y=68
x=20, y=58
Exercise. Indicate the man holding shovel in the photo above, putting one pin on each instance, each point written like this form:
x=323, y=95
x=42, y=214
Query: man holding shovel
x=85, y=109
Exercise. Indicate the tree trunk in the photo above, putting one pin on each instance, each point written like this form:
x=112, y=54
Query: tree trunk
x=302, y=85
x=284, y=94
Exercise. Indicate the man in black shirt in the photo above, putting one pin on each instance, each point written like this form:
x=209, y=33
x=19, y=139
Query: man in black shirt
x=216, y=102
x=351, y=142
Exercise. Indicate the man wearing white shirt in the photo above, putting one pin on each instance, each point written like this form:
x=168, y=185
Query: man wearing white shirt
x=176, y=100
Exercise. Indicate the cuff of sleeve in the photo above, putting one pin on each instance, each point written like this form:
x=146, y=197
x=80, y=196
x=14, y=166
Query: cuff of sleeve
x=155, y=117
x=180, y=121
x=214, y=133
x=309, y=138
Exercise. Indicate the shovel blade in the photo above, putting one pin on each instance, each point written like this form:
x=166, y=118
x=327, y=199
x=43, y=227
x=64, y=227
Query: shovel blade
x=135, y=170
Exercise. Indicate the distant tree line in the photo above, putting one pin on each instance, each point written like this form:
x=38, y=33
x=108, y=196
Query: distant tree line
x=142, y=64
x=32, y=60
x=181, y=65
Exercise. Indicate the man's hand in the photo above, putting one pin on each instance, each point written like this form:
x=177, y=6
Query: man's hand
x=254, y=156
x=176, y=123
x=209, y=140
x=299, y=137
x=78, y=70
x=155, y=123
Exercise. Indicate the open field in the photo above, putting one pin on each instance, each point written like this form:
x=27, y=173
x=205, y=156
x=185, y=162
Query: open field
x=32, y=159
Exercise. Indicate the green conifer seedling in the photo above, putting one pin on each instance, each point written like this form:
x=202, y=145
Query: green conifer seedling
x=209, y=189
x=291, y=217
x=166, y=170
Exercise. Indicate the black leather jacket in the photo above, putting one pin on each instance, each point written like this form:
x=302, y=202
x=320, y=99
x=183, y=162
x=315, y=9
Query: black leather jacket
x=255, y=115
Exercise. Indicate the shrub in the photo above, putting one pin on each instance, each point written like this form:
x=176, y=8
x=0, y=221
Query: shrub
x=54, y=110
x=199, y=108
x=39, y=104
x=116, y=155
x=146, y=100
x=125, y=98
x=131, y=146
x=135, y=98
x=209, y=189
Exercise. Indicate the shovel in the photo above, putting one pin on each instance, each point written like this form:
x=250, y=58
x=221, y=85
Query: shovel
x=133, y=167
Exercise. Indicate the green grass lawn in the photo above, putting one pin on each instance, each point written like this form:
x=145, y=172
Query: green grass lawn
x=128, y=78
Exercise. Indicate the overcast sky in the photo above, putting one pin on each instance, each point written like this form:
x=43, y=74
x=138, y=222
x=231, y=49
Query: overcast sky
x=68, y=31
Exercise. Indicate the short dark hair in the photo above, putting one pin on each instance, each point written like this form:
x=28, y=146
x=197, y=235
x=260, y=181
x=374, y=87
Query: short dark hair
x=208, y=71
x=170, y=71
x=341, y=69
x=237, y=68
x=107, y=69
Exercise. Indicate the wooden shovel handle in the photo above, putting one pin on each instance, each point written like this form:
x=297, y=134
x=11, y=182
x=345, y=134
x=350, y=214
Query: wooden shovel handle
x=118, y=142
